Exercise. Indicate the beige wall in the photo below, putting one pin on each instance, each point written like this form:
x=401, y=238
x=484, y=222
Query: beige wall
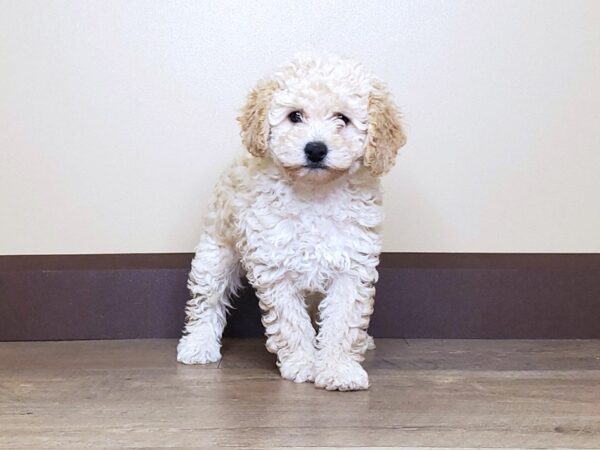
x=116, y=117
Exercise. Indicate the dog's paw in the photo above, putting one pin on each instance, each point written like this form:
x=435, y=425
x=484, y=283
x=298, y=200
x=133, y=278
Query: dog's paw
x=192, y=351
x=298, y=370
x=343, y=376
x=371, y=343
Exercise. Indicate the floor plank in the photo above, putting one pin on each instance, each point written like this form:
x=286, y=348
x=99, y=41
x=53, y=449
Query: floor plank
x=424, y=394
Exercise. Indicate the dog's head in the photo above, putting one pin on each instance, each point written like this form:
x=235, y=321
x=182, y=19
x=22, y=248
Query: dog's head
x=321, y=118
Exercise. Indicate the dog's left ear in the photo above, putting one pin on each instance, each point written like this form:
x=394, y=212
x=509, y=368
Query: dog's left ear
x=385, y=135
x=254, y=117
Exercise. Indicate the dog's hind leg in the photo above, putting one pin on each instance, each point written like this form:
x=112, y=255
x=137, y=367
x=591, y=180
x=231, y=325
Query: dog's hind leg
x=214, y=276
x=370, y=343
x=313, y=301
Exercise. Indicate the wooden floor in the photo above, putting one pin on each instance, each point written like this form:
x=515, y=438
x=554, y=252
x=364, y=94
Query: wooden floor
x=424, y=394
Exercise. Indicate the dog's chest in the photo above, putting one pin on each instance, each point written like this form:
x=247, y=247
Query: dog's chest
x=308, y=242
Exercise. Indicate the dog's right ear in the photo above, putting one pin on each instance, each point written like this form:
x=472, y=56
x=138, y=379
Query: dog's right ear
x=254, y=117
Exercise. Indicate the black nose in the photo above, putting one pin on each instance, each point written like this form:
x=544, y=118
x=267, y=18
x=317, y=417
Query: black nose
x=315, y=151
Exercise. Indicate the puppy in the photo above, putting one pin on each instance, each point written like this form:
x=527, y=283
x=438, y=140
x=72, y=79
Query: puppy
x=299, y=215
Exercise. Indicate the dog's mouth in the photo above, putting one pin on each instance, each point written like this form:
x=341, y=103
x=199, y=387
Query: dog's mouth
x=314, y=173
x=315, y=166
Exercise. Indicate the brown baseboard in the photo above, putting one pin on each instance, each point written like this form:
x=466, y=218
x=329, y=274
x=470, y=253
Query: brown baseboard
x=419, y=295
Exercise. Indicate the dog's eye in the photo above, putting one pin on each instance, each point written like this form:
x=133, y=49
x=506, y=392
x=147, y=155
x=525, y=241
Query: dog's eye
x=343, y=118
x=295, y=117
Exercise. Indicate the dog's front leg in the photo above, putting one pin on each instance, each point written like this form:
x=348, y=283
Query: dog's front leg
x=214, y=274
x=289, y=331
x=342, y=338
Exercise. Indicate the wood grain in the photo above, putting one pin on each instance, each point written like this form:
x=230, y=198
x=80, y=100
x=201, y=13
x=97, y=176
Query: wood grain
x=425, y=394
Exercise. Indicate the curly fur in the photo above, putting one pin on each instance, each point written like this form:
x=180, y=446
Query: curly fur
x=296, y=231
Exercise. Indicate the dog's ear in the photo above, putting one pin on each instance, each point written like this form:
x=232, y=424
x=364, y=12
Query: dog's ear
x=385, y=135
x=254, y=117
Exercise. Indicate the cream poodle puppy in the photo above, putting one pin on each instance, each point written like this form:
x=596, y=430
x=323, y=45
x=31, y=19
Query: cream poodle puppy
x=300, y=215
